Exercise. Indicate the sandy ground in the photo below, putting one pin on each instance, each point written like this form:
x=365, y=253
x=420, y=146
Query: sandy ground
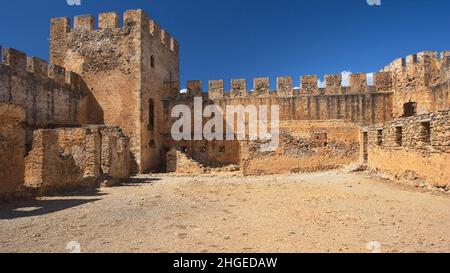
x=322, y=212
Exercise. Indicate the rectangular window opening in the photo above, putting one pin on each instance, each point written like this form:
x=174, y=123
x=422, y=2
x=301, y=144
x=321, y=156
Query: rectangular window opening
x=425, y=132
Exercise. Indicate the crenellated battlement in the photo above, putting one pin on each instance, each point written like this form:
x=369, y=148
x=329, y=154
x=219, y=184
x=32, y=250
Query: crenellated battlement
x=110, y=21
x=445, y=63
x=358, y=84
x=359, y=102
x=22, y=64
x=419, y=79
x=129, y=58
x=124, y=69
x=424, y=68
x=49, y=94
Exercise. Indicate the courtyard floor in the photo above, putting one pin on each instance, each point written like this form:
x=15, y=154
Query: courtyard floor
x=322, y=212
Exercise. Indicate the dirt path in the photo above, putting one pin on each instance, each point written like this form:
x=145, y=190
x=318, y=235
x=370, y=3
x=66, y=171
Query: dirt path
x=323, y=212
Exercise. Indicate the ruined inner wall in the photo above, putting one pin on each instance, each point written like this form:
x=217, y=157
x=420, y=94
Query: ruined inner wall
x=50, y=95
x=304, y=146
x=421, y=78
x=12, y=148
x=412, y=148
x=123, y=67
x=215, y=154
x=69, y=158
x=115, y=153
x=63, y=159
x=180, y=163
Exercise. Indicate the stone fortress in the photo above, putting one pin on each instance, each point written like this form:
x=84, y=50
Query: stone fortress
x=100, y=110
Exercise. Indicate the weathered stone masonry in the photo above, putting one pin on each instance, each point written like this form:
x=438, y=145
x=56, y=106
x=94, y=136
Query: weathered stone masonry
x=12, y=149
x=305, y=146
x=412, y=148
x=68, y=158
x=50, y=95
x=417, y=84
x=125, y=68
x=301, y=110
x=420, y=80
x=102, y=109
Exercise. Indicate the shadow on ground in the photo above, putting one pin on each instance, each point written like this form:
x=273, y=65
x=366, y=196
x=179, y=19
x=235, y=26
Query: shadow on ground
x=58, y=202
x=61, y=201
x=136, y=181
x=39, y=207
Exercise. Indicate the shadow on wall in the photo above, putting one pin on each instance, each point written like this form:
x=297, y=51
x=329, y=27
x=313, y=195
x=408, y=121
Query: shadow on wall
x=134, y=167
x=92, y=109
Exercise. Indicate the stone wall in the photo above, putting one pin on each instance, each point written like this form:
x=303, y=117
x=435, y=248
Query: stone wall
x=213, y=154
x=421, y=79
x=160, y=64
x=51, y=96
x=12, y=149
x=415, y=148
x=180, y=163
x=128, y=75
x=125, y=68
x=69, y=158
x=305, y=146
x=358, y=103
x=115, y=157
x=309, y=106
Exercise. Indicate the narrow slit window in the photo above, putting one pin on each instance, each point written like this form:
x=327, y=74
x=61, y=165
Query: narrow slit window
x=399, y=136
x=365, y=146
x=151, y=115
x=152, y=62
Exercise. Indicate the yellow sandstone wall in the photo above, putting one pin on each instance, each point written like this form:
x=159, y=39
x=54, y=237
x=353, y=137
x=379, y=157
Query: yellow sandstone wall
x=51, y=96
x=423, y=79
x=414, y=148
x=12, y=149
x=125, y=68
x=305, y=146
x=70, y=158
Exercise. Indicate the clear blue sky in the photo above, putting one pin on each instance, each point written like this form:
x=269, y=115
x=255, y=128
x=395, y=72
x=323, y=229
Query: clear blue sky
x=224, y=39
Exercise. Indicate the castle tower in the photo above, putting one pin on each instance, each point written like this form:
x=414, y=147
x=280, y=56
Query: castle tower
x=414, y=83
x=126, y=69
